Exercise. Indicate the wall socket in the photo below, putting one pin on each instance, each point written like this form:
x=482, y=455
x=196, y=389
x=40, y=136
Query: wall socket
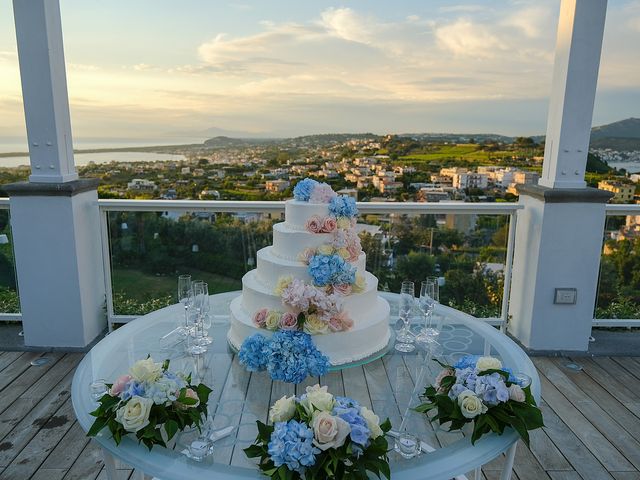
x=565, y=296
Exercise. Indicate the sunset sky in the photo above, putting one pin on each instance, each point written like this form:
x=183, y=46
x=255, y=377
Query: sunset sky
x=159, y=68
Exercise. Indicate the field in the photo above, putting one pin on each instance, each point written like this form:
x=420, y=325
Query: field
x=469, y=152
x=141, y=286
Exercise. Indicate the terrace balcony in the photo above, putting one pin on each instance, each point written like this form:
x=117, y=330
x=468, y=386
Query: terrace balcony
x=84, y=266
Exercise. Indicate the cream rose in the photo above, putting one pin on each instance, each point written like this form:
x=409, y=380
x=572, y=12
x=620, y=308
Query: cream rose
x=488, y=363
x=373, y=422
x=314, y=325
x=329, y=431
x=146, y=370
x=325, y=249
x=343, y=252
x=317, y=398
x=360, y=284
x=273, y=320
x=282, y=410
x=344, y=223
x=516, y=393
x=306, y=254
x=283, y=282
x=470, y=405
x=134, y=415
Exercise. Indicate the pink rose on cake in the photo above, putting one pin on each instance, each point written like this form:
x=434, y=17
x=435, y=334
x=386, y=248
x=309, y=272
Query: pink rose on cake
x=329, y=224
x=322, y=193
x=289, y=321
x=314, y=224
x=354, y=252
x=260, y=317
x=340, y=322
x=342, y=289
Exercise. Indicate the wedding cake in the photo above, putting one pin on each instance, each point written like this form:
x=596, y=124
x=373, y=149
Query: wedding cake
x=313, y=279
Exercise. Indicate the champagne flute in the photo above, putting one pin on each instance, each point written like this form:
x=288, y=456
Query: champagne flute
x=193, y=340
x=185, y=298
x=405, y=337
x=426, y=304
x=205, y=318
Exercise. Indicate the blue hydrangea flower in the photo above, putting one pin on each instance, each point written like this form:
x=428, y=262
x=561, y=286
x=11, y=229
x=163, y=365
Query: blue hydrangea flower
x=292, y=356
x=468, y=361
x=253, y=353
x=491, y=388
x=346, y=402
x=360, y=432
x=133, y=389
x=291, y=444
x=302, y=191
x=343, y=206
x=331, y=270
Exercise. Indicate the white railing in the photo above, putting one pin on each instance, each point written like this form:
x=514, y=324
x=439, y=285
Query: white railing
x=389, y=208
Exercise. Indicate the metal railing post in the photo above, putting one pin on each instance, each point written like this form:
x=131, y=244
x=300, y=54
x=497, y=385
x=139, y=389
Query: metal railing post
x=106, y=262
x=513, y=218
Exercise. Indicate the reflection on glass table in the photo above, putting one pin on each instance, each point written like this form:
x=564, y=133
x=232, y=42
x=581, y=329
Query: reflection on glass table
x=389, y=385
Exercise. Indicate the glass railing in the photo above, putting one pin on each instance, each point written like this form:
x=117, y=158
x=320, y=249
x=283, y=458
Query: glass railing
x=149, y=243
x=9, y=297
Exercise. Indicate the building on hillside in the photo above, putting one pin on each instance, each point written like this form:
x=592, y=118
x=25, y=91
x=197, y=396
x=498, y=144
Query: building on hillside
x=142, y=185
x=470, y=180
x=276, y=186
x=622, y=192
x=432, y=194
x=351, y=192
x=209, y=195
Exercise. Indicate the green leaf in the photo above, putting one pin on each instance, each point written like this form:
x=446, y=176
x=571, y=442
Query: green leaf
x=254, y=451
x=98, y=425
x=386, y=425
x=171, y=427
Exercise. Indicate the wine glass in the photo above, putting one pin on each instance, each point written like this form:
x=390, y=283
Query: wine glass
x=205, y=318
x=185, y=298
x=405, y=337
x=194, y=346
x=426, y=304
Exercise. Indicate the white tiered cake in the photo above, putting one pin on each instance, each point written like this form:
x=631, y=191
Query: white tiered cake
x=366, y=328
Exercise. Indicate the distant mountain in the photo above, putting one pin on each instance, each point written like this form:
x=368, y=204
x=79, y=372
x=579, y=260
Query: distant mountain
x=221, y=132
x=621, y=135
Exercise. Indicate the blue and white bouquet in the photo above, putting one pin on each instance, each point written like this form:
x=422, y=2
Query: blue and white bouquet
x=480, y=390
x=152, y=403
x=289, y=356
x=318, y=436
x=331, y=270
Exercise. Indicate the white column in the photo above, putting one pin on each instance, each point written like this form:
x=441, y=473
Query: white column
x=575, y=75
x=559, y=232
x=44, y=90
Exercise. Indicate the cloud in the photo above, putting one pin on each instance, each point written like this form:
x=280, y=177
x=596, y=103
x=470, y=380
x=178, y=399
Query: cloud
x=346, y=24
x=466, y=39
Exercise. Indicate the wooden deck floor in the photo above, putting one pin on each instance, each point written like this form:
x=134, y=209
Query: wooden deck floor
x=592, y=422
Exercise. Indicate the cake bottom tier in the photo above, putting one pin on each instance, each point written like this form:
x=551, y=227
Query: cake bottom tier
x=340, y=347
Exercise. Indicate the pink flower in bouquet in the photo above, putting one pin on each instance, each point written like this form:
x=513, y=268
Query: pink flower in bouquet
x=260, y=317
x=119, y=385
x=447, y=372
x=189, y=393
x=289, y=321
x=354, y=252
x=340, y=322
x=322, y=193
x=342, y=289
x=306, y=254
x=297, y=295
x=314, y=224
x=340, y=239
x=328, y=224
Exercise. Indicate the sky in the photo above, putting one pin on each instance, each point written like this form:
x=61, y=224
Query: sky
x=151, y=69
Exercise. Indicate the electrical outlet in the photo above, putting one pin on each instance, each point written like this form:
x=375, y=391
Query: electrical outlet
x=565, y=296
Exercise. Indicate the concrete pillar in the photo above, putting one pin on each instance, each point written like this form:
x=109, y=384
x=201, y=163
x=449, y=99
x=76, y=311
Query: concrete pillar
x=54, y=217
x=559, y=232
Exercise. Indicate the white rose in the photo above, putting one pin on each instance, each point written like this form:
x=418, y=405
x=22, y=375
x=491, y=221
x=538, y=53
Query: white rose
x=329, y=431
x=314, y=325
x=317, y=398
x=488, y=363
x=516, y=393
x=273, y=320
x=373, y=422
x=344, y=223
x=146, y=370
x=134, y=415
x=283, y=409
x=470, y=405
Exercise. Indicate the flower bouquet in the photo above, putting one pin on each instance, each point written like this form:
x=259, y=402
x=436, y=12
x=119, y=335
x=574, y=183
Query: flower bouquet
x=151, y=402
x=479, y=390
x=319, y=436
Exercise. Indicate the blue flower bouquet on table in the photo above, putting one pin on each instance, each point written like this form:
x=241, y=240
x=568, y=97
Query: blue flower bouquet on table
x=318, y=436
x=480, y=390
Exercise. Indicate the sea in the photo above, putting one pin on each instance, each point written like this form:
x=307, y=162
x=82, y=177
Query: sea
x=631, y=167
x=13, y=145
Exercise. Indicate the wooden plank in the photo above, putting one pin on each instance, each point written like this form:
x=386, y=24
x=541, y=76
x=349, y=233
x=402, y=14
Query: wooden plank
x=629, y=364
x=526, y=465
x=36, y=451
x=8, y=358
x=333, y=380
x=301, y=388
x=67, y=450
x=612, y=430
x=563, y=475
x=26, y=428
x=88, y=464
x=621, y=374
x=355, y=386
x=121, y=474
x=49, y=474
x=603, y=450
x=16, y=368
x=626, y=475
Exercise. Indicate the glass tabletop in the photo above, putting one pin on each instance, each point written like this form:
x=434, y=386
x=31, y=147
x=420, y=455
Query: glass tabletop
x=389, y=385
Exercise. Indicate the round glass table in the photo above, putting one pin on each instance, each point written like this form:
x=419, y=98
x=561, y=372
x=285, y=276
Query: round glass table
x=389, y=385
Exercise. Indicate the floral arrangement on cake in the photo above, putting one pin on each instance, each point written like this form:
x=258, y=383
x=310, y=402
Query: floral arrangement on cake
x=288, y=356
x=480, y=390
x=319, y=436
x=345, y=243
x=152, y=403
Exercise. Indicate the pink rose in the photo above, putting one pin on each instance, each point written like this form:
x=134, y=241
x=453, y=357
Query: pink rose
x=354, y=252
x=447, y=372
x=189, y=393
x=314, y=224
x=260, y=317
x=340, y=322
x=322, y=193
x=289, y=321
x=329, y=224
x=342, y=289
x=119, y=385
